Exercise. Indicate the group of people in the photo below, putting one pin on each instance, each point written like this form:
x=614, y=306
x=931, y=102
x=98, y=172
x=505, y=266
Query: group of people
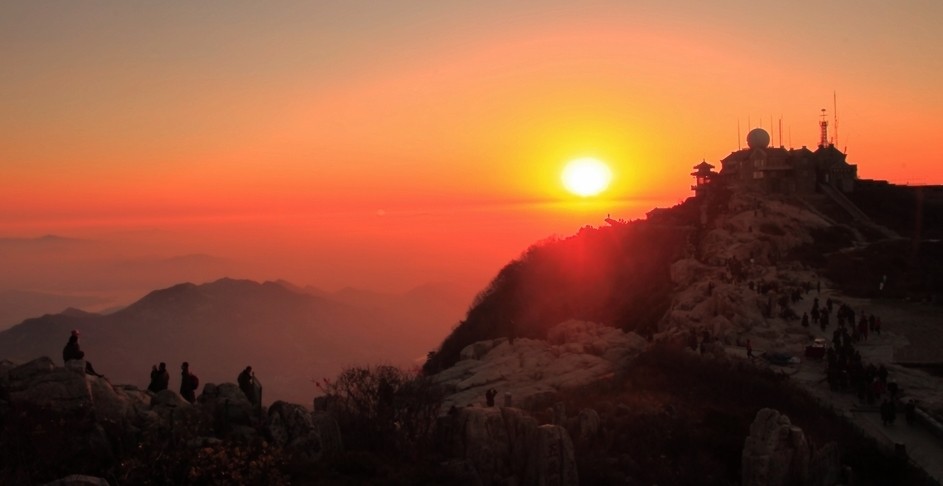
x=160, y=377
x=189, y=382
x=847, y=371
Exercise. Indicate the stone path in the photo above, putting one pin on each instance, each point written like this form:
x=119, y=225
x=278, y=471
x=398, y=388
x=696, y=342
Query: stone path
x=923, y=448
x=908, y=330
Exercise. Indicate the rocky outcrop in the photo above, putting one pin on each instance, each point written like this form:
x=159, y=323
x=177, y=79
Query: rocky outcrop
x=506, y=446
x=40, y=385
x=68, y=420
x=552, y=460
x=587, y=427
x=576, y=353
x=776, y=453
x=79, y=480
x=305, y=436
x=329, y=433
x=233, y=415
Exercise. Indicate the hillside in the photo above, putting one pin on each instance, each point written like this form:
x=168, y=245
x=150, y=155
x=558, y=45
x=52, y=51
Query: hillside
x=288, y=335
x=622, y=275
x=706, y=283
x=618, y=275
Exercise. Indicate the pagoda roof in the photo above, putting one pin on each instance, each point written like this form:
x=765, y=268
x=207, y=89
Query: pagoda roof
x=703, y=166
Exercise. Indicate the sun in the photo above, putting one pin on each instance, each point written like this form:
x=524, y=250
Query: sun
x=586, y=176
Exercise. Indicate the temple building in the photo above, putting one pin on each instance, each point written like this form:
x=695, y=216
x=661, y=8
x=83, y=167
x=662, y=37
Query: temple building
x=703, y=175
x=780, y=170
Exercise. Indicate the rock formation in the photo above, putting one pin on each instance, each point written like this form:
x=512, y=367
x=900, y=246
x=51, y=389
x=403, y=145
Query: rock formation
x=63, y=417
x=776, y=453
x=505, y=445
x=576, y=353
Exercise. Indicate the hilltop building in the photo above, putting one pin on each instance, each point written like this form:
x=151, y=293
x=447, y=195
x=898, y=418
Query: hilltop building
x=779, y=170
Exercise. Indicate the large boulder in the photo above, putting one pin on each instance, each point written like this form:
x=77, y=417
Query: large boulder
x=229, y=407
x=329, y=431
x=588, y=427
x=79, y=480
x=776, y=453
x=64, y=415
x=40, y=384
x=291, y=426
x=482, y=439
x=506, y=446
x=553, y=459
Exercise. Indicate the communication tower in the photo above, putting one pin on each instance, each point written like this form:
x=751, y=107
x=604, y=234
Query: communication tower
x=823, y=129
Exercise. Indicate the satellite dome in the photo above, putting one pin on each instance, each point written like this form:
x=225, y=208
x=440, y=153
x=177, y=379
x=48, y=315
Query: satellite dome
x=758, y=138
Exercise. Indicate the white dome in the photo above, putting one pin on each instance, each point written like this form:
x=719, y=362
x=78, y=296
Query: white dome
x=758, y=138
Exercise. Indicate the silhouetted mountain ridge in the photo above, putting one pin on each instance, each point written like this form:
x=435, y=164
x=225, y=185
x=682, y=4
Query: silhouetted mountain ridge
x=289, y=337
x=17, y=305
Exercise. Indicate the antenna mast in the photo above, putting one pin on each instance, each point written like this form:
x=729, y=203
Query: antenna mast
x=738, y=134
x=823, y=129
x=835, y=114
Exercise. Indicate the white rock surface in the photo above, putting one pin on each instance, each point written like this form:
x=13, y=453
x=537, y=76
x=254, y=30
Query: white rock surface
x=576, y=353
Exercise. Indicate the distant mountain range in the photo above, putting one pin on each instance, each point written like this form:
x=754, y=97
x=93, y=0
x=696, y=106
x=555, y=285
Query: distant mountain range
x=17, y=305
x=288, y=334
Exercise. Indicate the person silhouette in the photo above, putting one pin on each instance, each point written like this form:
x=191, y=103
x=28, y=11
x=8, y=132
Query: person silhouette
x=160, y=378
x=489, y=396
x=72, y=351
x=246, y=381
x=188, y=383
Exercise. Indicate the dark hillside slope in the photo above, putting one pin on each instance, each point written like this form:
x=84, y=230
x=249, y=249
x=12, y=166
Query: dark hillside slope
x=911, y=211
x=616, y=275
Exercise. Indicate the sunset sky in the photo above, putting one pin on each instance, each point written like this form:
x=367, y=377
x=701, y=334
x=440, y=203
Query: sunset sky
x=388, y=143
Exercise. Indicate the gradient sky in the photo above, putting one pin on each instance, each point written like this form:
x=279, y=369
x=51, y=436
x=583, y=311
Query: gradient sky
x=214, y=116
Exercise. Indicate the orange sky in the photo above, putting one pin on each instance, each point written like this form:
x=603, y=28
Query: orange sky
x=155, y=115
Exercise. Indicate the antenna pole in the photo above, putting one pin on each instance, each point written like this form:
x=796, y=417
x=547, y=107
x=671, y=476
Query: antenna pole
x=835, y=114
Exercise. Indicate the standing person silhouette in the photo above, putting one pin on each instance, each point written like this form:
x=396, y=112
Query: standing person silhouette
x=160, y=378
x=188, y=383
x=246, y=381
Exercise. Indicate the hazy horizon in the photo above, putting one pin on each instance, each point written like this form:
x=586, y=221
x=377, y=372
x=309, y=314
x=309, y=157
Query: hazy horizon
x=384, y=250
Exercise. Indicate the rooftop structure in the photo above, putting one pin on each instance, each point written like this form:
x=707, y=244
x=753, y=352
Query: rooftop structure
x=780, y=170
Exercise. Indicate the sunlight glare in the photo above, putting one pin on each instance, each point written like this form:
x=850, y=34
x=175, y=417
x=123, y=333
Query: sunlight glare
x=586, y=176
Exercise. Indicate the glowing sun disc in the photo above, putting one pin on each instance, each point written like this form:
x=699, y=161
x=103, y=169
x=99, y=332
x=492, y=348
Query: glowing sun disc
x=586, y=177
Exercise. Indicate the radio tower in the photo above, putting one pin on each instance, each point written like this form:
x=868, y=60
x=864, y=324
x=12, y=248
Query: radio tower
x=823, y=127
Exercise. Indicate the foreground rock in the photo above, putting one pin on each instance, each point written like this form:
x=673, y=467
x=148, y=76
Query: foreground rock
x=56, y=420
x=776, y=453
x=79, y=480
x=506, y=446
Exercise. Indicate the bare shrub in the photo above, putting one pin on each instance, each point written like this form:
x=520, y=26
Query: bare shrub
x=385, y=408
